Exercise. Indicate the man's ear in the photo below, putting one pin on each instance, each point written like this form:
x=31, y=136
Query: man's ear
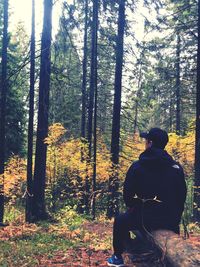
x=150, y=143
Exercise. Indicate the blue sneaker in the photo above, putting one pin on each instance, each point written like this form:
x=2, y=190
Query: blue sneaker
x=115, y=262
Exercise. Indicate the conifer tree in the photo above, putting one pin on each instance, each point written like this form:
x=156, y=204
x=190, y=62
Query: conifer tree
x=178, y=84
x=197, y=143
x=31, y=118
x=84, y=78
x=4, y=87
x=39, y=210
x=93, y=72
x=115, y=140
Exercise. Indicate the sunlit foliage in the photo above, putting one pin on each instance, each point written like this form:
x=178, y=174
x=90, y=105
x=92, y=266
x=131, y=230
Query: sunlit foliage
x=14, y=178
x=67, y=166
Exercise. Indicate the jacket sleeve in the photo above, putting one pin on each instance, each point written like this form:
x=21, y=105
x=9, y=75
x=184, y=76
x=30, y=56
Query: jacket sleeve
x=129, y=187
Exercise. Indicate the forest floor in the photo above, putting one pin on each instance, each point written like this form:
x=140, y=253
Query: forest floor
x=87, y=244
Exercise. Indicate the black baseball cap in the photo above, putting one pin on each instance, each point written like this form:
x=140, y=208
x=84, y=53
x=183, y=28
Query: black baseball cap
x=158, y=137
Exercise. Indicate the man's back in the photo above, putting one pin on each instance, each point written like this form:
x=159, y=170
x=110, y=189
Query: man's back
x=154, y=192
x=159, y=181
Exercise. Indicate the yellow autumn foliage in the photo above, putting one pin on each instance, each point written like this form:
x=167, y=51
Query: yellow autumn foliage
x=67, y=159
x=131, y=149
x=67, y=155
x=71, y=156
x=56, y=131
x=14, y=177
x=181, y=148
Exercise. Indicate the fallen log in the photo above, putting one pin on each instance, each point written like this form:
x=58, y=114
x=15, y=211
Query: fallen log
x=177, y=251
x=171, y=249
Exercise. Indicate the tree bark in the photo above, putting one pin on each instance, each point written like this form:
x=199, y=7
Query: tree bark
x=4, y=89
x=177, y=251
x=139, y=89
x=171, y=112
x=30, y=123
x=197, y=139
x=178, y=84
x=93, y=86
x=39, y=211
x=113, y=182
x=170, y=250
x=95, y=150
x=84, y=79
x=84, y=101
x=92, y=73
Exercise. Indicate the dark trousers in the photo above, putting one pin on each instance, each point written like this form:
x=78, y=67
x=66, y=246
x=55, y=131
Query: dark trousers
x=123, y=224
x=133, y=221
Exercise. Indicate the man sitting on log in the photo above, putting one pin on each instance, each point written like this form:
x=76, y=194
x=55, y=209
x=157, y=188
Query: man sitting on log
x=154, y=193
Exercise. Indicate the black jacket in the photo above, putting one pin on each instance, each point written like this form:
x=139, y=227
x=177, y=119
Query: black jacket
x=155, y=187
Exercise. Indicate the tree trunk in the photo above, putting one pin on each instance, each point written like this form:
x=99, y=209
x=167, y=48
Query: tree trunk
x=177, y=251
x=93, y=85
x=197, y=141
x=171, y=112
x=4, y=87
x=84, y=79
x=92, y=73
x=30, y=123
x=113, y=182
x=39, y=211
x=138, y=94
x=167, y=249
x=178, y=113
x=95, y=150
x=84, y=98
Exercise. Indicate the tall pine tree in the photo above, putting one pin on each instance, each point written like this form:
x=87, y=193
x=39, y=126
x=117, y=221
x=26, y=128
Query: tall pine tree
x=113, y=182
x=197, y=146
x=4, y=87
x=31, y=118
x=39, y=210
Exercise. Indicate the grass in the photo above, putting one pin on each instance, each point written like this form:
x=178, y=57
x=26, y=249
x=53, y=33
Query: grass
x=23, y=244
x=25, y=250
x=30, y=244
